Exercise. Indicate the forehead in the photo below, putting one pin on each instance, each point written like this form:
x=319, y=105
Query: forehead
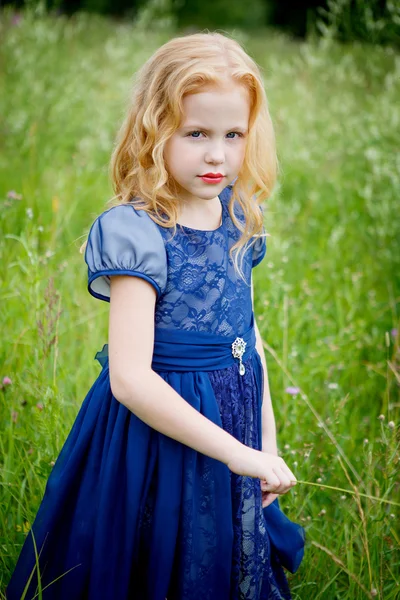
x=217, y=105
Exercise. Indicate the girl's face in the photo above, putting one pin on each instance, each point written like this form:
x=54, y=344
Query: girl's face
x=211, y=139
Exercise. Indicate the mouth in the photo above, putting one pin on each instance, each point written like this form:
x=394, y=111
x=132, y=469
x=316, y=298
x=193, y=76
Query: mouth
x=212, y=177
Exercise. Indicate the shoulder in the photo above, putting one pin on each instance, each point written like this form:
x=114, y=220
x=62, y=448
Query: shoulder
x=126, y=220
x=258, y=243
x=125, y=214
x=124, y=240
x=238, y=210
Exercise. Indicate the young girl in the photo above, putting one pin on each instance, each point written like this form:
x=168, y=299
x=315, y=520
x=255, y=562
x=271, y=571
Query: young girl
x=167, y=484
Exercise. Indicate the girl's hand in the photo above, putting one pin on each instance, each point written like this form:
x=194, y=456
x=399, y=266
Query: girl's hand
x=267, y=498
x=272, y=470
x=268, y=445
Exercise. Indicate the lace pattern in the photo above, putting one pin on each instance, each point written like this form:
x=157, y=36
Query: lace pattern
x=204, y=292
x=254, y=576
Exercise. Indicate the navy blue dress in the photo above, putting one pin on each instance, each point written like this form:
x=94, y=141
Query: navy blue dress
x=129, y=513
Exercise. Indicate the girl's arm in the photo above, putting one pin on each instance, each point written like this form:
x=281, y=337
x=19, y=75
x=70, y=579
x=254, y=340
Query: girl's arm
x=269, y=443
x=267, y=418
x=154, y=401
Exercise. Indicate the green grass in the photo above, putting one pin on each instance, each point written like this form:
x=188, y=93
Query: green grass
x=327, y=293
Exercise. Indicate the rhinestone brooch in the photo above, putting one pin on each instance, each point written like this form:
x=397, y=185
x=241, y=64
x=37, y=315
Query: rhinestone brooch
x=238, y=348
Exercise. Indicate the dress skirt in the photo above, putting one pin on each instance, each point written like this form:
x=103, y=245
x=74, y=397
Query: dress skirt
x=129, y=513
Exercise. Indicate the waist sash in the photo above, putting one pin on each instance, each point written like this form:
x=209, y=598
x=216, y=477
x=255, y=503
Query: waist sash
x=183, y=350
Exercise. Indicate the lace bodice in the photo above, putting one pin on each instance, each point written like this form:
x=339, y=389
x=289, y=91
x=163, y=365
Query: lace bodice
x=192, y=272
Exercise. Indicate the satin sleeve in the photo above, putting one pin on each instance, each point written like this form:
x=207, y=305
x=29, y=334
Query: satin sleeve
x=124, y=241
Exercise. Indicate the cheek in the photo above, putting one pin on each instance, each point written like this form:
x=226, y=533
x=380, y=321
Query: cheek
x=238, y=155
x=171, y=154
x=179, y=159
x=184, y=153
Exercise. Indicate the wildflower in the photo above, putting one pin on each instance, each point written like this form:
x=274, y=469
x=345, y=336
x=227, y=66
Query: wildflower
x=366, y=441
x=371, y=154
x=343, y=497
x=322, y=513
x=381, y=417
x=308, y=518
x=319, y=480
x=392, y=516
x=39, y=405
x=374, y=592
x=12, y=195
x=286, y=446
x=391, y=425
x=393, y=332
x=52, y=463
x=40, y=228
x=29, y=213
x=333, y=386
x=6, y=381
x=295, y=463
x=292, y=390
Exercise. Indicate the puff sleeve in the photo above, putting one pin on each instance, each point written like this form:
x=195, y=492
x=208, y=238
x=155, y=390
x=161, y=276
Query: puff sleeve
x=259, y=247
x=124, y=241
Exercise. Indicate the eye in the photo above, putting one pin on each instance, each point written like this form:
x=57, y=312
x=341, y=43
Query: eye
x=190, y=134
x=196, y=134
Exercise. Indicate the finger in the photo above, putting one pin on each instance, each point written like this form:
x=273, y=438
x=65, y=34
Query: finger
x=268, y=499
x=265, y=487
x=271, y=481
x=284, y=483
x=289, y=474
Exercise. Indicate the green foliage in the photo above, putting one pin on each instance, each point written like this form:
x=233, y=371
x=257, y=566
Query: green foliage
x=327, y=292
x=220, y=13
x=373, y=21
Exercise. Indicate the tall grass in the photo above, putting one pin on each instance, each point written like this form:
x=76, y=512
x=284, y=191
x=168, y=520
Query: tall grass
x=327, y=293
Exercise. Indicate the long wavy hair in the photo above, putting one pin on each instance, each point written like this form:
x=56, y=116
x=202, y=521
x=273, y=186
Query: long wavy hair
x=183, y=66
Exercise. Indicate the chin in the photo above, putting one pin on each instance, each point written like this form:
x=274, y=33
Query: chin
x=209, y=194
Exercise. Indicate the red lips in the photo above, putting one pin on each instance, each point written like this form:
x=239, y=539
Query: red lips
x=212, y=175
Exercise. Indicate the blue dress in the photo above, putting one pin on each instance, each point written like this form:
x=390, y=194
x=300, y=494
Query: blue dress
x=129, y=513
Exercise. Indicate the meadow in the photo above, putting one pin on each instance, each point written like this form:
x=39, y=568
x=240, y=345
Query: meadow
x=327, y=292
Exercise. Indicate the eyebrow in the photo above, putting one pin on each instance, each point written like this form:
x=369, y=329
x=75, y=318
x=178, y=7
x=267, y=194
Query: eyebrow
x=196, y=126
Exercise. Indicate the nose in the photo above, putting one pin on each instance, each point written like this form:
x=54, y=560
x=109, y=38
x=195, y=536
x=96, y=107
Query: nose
x=215, y=153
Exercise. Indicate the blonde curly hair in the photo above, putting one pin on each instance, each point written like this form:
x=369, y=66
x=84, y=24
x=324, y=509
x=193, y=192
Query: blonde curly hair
x=183, y=66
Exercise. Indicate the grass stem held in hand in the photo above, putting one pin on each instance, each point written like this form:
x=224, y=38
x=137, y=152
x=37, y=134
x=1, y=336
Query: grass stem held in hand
x=338, y=489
